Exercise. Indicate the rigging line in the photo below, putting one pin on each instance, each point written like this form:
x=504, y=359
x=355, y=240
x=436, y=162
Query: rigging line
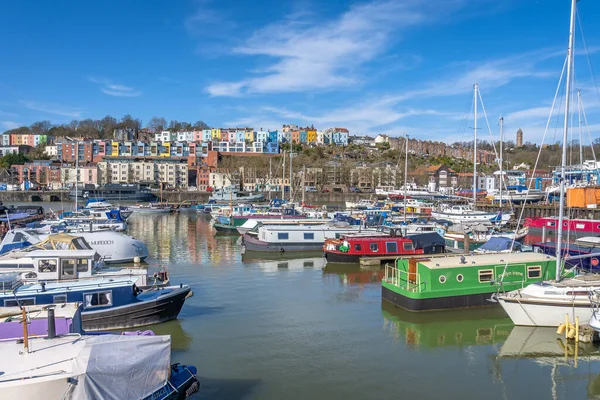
x=488, y=125
x=588, y=130
x=536, y=164
x=587, y=53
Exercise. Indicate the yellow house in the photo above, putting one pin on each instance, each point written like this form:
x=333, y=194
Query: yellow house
x=249, y=136
x=115, y=148
x=216, y=134
x=167, y=150
x=311, y=135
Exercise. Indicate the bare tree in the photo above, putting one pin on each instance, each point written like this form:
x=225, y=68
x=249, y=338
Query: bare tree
x=157, y=124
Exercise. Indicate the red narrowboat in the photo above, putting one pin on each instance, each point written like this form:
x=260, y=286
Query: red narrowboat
x=572, y=225
x=351, y=248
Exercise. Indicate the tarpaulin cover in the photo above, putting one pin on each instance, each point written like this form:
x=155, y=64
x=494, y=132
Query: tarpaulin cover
x=122, y=367
x=498, y=243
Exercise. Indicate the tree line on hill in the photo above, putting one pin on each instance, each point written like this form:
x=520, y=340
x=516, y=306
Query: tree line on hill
x=104, y=128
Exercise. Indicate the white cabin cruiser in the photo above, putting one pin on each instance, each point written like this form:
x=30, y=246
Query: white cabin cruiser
x=113, y=247
x=460, y=214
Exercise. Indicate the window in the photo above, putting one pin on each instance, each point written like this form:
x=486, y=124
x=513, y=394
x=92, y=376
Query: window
x=391, y=247
x=47, y=265
x=486, y=275
x=68, y=268
x=534, y=271
x=357, y=247
x=309, y=236
x=283, y=236
x=14, y=303
x=459, y=277
x=442, y=279
x=282, y=265
x=82, y=265
x=309, y=264
x=59, y=298
x=374, y=247
x=407, y=246
x=98, y=299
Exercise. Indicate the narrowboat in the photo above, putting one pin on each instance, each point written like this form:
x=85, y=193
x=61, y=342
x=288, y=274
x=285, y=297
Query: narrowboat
x=286, y=238
x=576, y=226
x=109, y=302
x=351, y=248
x=439, y=283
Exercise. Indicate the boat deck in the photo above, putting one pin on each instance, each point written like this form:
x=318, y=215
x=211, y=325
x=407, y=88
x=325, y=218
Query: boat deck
x=449, y=261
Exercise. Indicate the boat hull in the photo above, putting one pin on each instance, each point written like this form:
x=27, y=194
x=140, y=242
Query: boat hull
x=162, y=309
x=226, y=228
x=537, y=313
x=437, y=303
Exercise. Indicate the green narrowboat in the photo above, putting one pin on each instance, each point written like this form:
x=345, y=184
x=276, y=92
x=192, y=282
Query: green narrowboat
x=440, y=283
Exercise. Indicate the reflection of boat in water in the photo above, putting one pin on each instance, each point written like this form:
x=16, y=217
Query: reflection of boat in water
x=545, y=346
x=447, y=328
x=257, y=257
x=352, y=274
x=296, y=264
x=180, y=339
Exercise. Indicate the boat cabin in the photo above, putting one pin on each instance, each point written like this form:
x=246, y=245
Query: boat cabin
x=50, y=265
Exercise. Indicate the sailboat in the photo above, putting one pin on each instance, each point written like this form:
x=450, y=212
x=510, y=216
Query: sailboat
x=545, y=303
x=458, y=214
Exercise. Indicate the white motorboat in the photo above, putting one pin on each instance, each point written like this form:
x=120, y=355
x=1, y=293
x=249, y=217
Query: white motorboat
x=460, y=214
x=113, y=247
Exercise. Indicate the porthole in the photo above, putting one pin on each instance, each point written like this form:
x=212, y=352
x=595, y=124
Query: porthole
x=459, y=277
x=442, y=279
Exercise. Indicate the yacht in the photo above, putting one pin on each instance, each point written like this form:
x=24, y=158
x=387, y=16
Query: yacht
x=230, y=194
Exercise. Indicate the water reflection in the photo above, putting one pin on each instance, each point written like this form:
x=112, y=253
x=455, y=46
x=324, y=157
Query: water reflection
x=295, y=264
x=185, y=238
x=181, y=340
x=353, y=274
x=447, y=328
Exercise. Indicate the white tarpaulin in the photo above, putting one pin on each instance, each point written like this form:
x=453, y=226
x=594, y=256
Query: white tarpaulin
x=122, y=367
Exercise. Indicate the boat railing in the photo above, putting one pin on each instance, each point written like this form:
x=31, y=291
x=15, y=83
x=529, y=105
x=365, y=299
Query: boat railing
x=410, y=281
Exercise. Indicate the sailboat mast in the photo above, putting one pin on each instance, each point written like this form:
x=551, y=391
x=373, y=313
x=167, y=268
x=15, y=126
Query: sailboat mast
x=501, y=161
x=405, y=173
x=580, y=127
x=561, y=215
x=475, y=89
x=76, y=173
x=283, y=179
x=270, y=177
x=303, y=183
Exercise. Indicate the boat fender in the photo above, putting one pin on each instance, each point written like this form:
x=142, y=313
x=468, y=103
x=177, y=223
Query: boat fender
x=282, y=250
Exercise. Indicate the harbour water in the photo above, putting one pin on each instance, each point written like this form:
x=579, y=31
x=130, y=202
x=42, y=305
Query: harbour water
x=291, y=329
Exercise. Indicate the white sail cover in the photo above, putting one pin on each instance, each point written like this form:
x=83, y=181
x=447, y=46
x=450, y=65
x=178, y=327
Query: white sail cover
x=122, y=367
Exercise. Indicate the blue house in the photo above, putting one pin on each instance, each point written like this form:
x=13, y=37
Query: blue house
x=272, y=148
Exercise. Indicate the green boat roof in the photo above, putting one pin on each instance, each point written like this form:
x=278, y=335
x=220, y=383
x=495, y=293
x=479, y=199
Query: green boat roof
x=483, y=259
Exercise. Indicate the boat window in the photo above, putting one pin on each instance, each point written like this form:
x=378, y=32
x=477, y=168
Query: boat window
x=309, y=236
x=47, y=265
x=442, y=279
x=283, y=236
x=68, y=268
x=551, y=223
x=282, y=265
x=374, y=247
x=486, y=275
x=82, y=265
x=23, y=302
x=459, y=278
x=408, y=246
x=391, y=247
x=98, y=299
x=59, y=298
x=534, y=272
x=309, y=264
x=357, y=247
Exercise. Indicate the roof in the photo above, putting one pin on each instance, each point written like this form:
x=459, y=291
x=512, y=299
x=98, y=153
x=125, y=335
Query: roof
x=454, y=261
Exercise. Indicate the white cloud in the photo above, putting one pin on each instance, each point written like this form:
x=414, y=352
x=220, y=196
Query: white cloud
x=115, y=89
x=11, y=124
x=328, y=54
x=52, y=108
x=8, y=114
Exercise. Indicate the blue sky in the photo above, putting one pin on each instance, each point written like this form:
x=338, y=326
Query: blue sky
x=395, y=67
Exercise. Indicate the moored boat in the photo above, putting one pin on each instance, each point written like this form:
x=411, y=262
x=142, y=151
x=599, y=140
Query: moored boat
x=437, y=283
x=351, y=248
